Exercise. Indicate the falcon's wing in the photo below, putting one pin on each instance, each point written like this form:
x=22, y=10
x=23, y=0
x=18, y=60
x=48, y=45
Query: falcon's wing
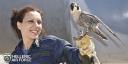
x=107, y=27
x=88, y=18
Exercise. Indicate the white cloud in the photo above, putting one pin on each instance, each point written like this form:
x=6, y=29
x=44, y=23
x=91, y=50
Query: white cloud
x=125, y=15
x=120, y=17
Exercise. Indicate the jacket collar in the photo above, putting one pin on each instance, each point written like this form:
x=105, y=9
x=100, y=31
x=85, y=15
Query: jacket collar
x=19, y=47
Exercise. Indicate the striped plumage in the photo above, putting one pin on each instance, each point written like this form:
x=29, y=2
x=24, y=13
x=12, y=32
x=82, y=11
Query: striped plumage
x=89, y=22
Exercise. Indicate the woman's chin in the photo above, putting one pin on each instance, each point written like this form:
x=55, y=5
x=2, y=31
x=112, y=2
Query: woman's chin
x=34, y=37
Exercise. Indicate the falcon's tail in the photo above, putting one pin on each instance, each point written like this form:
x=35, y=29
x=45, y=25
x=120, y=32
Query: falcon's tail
x=114, y=34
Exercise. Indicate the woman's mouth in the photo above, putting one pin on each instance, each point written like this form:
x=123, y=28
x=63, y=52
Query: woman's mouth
x=35, y=32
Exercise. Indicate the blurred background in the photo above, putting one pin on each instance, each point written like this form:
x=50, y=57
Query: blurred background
x=57, y=20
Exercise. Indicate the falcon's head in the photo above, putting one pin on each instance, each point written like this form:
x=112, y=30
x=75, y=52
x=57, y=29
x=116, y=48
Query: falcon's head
x=74, y=7
x=75, y=10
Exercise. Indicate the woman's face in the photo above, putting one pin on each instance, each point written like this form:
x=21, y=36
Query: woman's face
x=31, y=26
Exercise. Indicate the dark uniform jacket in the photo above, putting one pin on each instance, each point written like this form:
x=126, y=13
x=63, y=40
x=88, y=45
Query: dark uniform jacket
x=51, y=50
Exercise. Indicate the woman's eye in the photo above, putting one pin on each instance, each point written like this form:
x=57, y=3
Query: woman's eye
x=31, y=21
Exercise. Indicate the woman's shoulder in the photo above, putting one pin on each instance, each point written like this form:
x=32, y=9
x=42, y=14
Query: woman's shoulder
x=51, y=37
x=53, y=40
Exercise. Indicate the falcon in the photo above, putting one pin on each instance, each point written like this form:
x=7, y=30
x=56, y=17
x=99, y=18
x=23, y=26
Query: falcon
x=90, y=23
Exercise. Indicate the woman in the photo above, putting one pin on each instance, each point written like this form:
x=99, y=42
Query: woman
x=27, y=23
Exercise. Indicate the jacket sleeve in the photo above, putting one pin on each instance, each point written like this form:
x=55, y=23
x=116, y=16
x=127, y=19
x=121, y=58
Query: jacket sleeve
x=65, y=52
x=72, y=54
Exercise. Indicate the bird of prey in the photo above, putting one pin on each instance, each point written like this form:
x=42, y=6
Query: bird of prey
x=89, y=22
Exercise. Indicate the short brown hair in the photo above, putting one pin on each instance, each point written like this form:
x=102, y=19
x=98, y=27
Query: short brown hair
x=17, y=16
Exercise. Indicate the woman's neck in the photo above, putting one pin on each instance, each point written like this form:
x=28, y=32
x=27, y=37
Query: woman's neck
x=27, y=43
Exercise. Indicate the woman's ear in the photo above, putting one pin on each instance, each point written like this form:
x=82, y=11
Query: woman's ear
x=19, y=25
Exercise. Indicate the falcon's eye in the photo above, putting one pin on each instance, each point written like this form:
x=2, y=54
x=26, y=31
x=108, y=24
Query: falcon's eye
x=77, y=7
x=72, y=6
